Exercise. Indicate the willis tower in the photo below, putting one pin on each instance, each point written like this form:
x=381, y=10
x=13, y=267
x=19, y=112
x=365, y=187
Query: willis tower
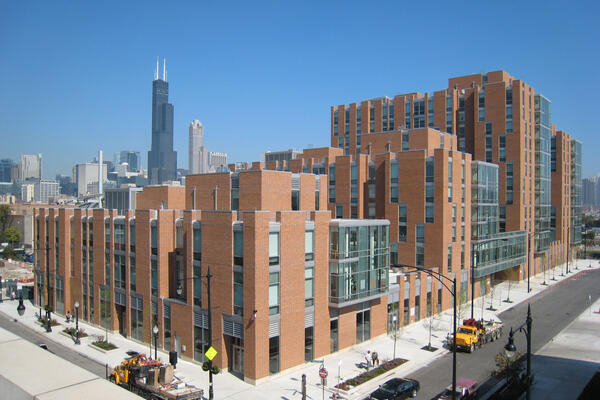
x=162, y=160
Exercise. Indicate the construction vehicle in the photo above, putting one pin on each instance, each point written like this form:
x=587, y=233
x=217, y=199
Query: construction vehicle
x=475, y=333
x=151, y=379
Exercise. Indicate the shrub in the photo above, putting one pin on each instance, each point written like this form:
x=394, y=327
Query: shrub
x=73, y=332
x=44, y=321
x=104, y=345
x=373, y=373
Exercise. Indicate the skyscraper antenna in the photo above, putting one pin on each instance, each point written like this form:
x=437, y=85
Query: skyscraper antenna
x=164, y=69
x=156, y=73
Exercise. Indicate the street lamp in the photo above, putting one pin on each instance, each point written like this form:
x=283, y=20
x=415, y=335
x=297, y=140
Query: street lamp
x=77, y=341
x=21, y=306
x=155, y=331
x=179, y=291
x=439, y=276
x=510, y=348
x=1, y=289
x=395, y=322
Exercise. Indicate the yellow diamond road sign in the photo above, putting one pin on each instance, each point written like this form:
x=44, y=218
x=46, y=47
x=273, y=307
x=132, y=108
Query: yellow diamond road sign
x=210, y=353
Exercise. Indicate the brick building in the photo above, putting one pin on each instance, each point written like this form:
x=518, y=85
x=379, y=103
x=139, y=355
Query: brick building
x=276, y=301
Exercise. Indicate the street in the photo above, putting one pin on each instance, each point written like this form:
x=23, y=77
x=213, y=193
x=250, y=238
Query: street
x=552, y=310
x=37, y=337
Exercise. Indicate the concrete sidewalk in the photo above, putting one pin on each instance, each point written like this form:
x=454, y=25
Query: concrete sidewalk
x=341, y=365
x=565, y=365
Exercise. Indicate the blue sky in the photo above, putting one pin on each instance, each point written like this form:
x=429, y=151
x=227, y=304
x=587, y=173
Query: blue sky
x=76, y=77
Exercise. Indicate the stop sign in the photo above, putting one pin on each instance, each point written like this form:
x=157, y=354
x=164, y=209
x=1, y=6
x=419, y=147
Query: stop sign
x=323, y=372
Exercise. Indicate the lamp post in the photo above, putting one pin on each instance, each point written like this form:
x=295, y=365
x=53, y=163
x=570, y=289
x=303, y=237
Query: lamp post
x=473, y=285
x=395, y=321
x=210, y=366
x=439, y=276
x=568, y=246
x=21, y=306
x=77, y=341
x=155, y=331
x=510, y=347
x=1, y=289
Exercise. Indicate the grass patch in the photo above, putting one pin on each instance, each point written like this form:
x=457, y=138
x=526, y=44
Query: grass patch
x=104, y=345
x=73, y=332
x=44, y=321
x=373, y=373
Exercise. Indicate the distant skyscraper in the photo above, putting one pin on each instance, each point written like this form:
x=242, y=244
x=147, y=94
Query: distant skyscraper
x=216, y=160
x=132, y=158
x=162, y=160
x=30, y=167
x=198, y=154
x=6, y=166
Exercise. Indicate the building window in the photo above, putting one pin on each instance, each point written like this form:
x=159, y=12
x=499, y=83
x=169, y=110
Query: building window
x=132, y=236
x=429, y=214
x=295, y=200
x=309, y=287
x=429, y=171
x=238, y=247
x=309, y=247
x=137, y=323
x=201, y=340
x=450, y=258
x=405, y=141
x=363, y=326
x=333, y=335
x=273, y=293
x=509, y=183
x=238, y=293
x=273, y=248
x=154, y=276
x=339, y=211
x=132, y=273
x=274, y=355
x=502, y=147
x=308, y=344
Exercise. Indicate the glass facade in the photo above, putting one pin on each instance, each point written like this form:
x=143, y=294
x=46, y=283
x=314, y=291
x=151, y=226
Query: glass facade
x=359, y=260
x=543, y=184
x=492, y=251
x=484, y=200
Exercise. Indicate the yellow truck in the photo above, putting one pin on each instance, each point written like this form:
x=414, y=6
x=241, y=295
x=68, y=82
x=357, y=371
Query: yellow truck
x=152, y=380
x=475, y=333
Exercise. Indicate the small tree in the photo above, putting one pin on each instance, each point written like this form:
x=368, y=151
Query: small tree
x=6, y=219
x=509, y=369
x=431, y=323
x=12, y=236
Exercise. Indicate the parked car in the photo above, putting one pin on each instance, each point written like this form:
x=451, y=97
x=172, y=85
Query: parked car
x=465, y=389
x=396, y=389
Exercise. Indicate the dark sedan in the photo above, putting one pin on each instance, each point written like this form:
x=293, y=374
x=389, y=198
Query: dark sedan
x=396, y=389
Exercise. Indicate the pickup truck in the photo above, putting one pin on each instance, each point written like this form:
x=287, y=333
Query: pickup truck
x=465, y=389
x=475, y=333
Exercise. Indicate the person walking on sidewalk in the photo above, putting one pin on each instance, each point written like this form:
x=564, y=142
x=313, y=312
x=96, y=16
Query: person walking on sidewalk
x=368, y=359
x=375, y=358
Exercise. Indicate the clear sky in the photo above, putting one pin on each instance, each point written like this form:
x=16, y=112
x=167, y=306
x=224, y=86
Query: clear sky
x=76, y=76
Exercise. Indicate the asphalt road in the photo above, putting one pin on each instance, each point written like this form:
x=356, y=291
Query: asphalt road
x=552, y=310
x=63, y=352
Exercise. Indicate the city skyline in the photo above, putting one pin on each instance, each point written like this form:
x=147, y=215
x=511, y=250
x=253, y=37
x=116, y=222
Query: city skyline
x=267, y=82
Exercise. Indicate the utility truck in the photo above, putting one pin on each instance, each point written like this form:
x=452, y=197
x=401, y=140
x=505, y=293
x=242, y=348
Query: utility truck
x=475, y=333
x=152, y=379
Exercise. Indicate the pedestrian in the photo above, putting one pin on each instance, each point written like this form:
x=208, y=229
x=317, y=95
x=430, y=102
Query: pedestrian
x=368, y=359
x=68, y=316
x=375, y=358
